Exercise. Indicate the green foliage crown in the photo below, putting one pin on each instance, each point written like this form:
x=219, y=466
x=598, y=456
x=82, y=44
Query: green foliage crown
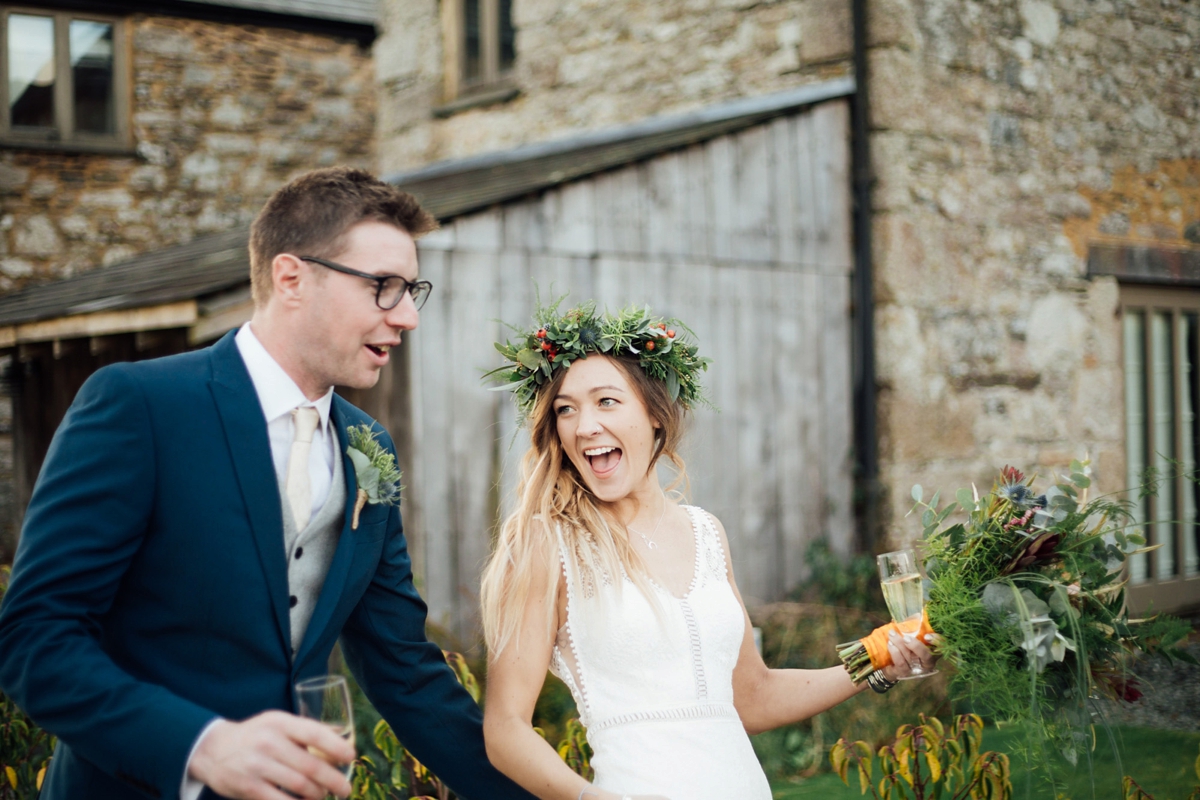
x=664, y=347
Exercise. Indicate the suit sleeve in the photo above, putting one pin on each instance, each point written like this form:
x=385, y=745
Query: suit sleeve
x=88, y=516
x=408, y=681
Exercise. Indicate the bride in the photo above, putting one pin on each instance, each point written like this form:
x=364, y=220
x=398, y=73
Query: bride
x=625, y=594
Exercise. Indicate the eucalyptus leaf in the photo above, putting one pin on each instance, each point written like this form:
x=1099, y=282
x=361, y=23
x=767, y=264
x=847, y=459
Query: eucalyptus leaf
x=917, y=492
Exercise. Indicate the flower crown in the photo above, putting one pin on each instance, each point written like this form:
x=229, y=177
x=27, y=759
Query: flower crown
x=663, y=348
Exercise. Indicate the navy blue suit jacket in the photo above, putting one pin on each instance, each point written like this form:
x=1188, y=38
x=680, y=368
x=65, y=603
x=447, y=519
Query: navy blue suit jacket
x=149, y=592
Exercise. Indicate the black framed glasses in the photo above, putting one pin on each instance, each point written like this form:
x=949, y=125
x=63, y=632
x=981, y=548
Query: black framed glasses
x=389, y=289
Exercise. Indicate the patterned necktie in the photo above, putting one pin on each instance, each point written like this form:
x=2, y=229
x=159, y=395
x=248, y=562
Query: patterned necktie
x=298, y=486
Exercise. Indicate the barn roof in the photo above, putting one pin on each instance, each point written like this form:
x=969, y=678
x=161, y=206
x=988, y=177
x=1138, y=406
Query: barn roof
x=218, y=263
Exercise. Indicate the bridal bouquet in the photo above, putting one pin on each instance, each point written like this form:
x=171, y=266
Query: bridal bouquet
x=1028, y=596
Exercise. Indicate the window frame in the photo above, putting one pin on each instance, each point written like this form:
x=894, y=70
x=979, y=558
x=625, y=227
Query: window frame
x=494, y=85
x=1178, y=590
x=63, y=135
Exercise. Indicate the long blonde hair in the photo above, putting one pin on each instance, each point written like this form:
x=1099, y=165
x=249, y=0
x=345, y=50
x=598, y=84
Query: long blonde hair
x=552, y=495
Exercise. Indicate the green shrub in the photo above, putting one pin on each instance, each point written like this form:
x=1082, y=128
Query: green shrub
x=805, y=636
x=25, y=749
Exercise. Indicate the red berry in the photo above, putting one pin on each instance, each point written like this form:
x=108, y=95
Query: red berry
x=547, y=346
x=662, y=325
x=649, y=345
x=671, y=334
x=541, y=334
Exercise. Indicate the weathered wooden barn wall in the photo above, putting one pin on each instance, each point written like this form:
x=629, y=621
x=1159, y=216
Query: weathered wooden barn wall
x=747, y=239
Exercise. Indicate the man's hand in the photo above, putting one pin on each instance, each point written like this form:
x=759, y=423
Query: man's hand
x=258, y=758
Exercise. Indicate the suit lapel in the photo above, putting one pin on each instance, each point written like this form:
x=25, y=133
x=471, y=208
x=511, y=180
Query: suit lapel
x=246, y=436
x=339, y=568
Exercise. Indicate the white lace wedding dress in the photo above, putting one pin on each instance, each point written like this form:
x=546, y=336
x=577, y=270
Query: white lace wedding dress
x=655, y=688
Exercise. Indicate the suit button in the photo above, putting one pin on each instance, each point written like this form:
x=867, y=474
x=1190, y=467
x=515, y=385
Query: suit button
x=292, y=601
x=299, y=552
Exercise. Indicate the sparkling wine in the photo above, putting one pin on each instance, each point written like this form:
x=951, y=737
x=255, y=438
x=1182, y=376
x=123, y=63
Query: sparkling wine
x=904, y=597
x=347, y=733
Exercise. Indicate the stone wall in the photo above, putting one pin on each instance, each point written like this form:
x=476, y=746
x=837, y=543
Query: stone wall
x=1007, y=137
x=589, y=64
x=221, y=116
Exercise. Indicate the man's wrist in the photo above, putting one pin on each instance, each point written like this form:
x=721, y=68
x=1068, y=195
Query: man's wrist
x=193, y=770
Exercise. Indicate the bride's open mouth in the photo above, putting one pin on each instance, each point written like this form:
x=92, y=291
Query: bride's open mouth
x=603, y=460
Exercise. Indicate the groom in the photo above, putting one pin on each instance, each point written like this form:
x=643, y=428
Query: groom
x=189, y=554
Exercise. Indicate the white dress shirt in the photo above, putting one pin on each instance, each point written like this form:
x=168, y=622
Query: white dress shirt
x=278, y=394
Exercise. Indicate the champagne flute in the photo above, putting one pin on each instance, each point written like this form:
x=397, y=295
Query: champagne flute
x=327, y=700
x=905, y=597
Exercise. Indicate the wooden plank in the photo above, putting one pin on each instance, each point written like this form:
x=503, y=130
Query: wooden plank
x=726, y=494
x=785, y=201
x=443, y=238
x=106, y=323
x=431, y=490
x=697, y=204
x=753, y=238
x=792, y=359
x=473, y=429
x=755, y=422
x=619, y=215
x=722, y=189
x=804, y=227
x=514, y=305
x=216, y=325
x=836, y=405
x=665, y=202
x=570, y=219
x=480, y=232
x=830, y=124
x=525, y=226
x=692, y=293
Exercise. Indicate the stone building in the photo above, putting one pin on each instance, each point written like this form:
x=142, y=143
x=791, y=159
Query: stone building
x=1035, y=166
x=1027, y=240
x=130, y=130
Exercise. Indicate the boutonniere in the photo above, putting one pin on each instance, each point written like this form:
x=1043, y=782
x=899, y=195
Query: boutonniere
x=374, y=469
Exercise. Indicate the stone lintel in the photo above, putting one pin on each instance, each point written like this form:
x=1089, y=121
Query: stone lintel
x=1145, y=263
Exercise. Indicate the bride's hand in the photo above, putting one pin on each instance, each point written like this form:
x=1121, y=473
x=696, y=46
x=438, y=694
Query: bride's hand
x=906, y=652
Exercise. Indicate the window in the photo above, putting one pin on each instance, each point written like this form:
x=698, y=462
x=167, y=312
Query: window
x=1161, y=350
x=63, y=82
x=480, y=50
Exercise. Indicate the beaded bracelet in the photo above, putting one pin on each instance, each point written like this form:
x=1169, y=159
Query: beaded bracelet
x=878, y=682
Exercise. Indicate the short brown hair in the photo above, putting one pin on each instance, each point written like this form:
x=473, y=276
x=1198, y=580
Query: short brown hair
x=312, y=214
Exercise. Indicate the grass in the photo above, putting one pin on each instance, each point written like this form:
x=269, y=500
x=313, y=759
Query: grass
x=1163, y=762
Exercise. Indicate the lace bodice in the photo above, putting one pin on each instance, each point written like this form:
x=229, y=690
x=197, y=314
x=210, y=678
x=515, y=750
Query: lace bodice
x=626, y=660
x=653, y=678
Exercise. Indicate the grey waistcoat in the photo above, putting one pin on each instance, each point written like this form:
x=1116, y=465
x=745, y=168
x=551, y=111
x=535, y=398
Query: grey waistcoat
x=310, y=552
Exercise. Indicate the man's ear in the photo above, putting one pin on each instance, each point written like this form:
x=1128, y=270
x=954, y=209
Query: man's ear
x=288, y=273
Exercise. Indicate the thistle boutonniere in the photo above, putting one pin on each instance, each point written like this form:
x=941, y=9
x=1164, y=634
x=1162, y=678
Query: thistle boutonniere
x=374, y=468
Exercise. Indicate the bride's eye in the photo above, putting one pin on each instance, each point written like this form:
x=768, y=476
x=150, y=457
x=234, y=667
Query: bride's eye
x=607, y=401
x=560, y=410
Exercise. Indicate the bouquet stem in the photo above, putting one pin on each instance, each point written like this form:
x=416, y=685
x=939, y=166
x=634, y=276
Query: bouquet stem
x=863, y=656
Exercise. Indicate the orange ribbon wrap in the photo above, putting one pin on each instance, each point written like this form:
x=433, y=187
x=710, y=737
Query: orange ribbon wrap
x=876, y=643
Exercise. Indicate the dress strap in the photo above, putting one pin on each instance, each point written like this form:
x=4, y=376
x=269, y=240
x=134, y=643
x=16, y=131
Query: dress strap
x=568, y=672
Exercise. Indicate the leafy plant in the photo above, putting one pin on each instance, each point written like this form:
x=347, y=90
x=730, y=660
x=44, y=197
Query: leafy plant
x=1132, y=791
x=837, y=581
x=401, y=776
x=25, y=749
x=1027, y=594
x=928, y=761
x=801, y=636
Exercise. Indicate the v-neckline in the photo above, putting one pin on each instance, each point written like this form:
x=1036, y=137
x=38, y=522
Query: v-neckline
x=695, y=564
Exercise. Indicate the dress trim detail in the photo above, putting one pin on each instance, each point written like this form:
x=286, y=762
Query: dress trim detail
x=707, y=710
x=578, y=688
